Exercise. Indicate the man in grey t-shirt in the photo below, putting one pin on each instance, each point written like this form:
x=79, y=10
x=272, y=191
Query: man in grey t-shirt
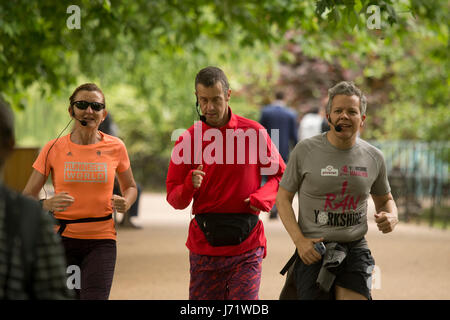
x=334, y=173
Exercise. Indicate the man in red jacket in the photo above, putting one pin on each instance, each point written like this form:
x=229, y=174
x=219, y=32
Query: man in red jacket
x=218, y=162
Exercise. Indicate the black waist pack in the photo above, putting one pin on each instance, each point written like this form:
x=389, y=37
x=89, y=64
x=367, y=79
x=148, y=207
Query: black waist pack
x=63, y=223
x=226, y=229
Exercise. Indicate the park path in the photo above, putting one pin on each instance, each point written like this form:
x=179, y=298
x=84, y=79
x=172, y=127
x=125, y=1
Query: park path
x=413, y=262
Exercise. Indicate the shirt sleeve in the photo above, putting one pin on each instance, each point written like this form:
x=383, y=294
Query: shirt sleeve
x=381, y=184
x=264, y=197
x=124, y=160
x=291, y=179
x=180, y=190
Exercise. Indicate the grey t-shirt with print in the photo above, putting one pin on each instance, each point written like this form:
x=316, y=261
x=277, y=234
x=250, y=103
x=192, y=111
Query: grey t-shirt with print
x=333, y=186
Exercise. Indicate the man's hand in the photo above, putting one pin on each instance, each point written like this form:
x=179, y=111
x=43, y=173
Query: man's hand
x=247, y=201
x=120, y=203
x=197, y=177
x=386, y=216
x=306, y=250
x=386, y=221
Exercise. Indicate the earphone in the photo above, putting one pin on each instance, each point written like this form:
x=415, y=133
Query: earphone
x=202, y=117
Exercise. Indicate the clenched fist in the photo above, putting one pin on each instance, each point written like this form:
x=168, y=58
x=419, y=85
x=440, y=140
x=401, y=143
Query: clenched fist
x=119, y=203
x=59, y=202
x=386, y=221
x=197, y=176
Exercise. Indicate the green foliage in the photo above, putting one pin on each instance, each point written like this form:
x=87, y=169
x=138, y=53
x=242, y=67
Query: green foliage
x=144, y=54
x=408, y=56
x=37, y=45
x=159, y=99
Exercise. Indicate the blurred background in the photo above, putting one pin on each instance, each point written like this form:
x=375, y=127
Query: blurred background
x=145, y=55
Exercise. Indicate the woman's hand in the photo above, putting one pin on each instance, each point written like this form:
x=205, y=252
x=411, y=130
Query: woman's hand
x=120, y=203
x=59, y=202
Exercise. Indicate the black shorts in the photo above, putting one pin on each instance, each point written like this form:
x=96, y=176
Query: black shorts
x=354, y=273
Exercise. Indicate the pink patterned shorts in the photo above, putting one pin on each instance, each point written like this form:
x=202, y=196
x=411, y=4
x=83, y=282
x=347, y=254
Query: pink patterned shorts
x=226, y=278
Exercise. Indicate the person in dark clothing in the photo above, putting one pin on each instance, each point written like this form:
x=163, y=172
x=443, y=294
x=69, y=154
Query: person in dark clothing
x=32, y=264
x=277, y=118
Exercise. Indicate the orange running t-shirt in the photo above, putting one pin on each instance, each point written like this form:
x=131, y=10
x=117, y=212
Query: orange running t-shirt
x=87, y=173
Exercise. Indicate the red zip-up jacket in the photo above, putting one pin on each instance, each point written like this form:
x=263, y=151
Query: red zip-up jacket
x=232, y=174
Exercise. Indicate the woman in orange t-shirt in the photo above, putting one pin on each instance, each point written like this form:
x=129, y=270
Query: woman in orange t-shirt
x=83, y=166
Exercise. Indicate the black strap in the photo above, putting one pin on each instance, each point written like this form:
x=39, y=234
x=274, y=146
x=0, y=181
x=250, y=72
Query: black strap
x=244, y=216
x=63, y=222
x=289, y=263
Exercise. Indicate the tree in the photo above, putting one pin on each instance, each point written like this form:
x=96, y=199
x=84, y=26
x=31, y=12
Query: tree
x=37, y=43
x=145, y=54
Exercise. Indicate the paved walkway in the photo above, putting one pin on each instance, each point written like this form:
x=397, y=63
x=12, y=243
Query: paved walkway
x=413, y=262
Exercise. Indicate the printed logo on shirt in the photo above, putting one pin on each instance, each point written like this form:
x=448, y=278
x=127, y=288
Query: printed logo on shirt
x=337, y=219
x=329, y=171
x=353, y=171
x=85, y=172
x=340, y=210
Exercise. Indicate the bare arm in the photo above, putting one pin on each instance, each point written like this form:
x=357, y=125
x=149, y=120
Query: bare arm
x=387, y=213
x=305, y=246
x=128, y=189
x=34, y=184
x=59, y=202
x=287, y=214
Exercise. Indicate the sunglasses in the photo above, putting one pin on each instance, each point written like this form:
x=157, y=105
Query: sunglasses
x=83, y=105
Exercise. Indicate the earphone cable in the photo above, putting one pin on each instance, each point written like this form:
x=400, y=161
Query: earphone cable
x=46, y=157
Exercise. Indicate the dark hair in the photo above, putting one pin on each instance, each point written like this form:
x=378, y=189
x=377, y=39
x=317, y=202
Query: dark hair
x=314, y=110
x=209, y=76
x=279, y=95
x=6, y=129
x=6, y=122
x=86, y=87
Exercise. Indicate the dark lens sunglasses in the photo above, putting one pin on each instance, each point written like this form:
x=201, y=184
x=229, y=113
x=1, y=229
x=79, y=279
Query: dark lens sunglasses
x=83, y=105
